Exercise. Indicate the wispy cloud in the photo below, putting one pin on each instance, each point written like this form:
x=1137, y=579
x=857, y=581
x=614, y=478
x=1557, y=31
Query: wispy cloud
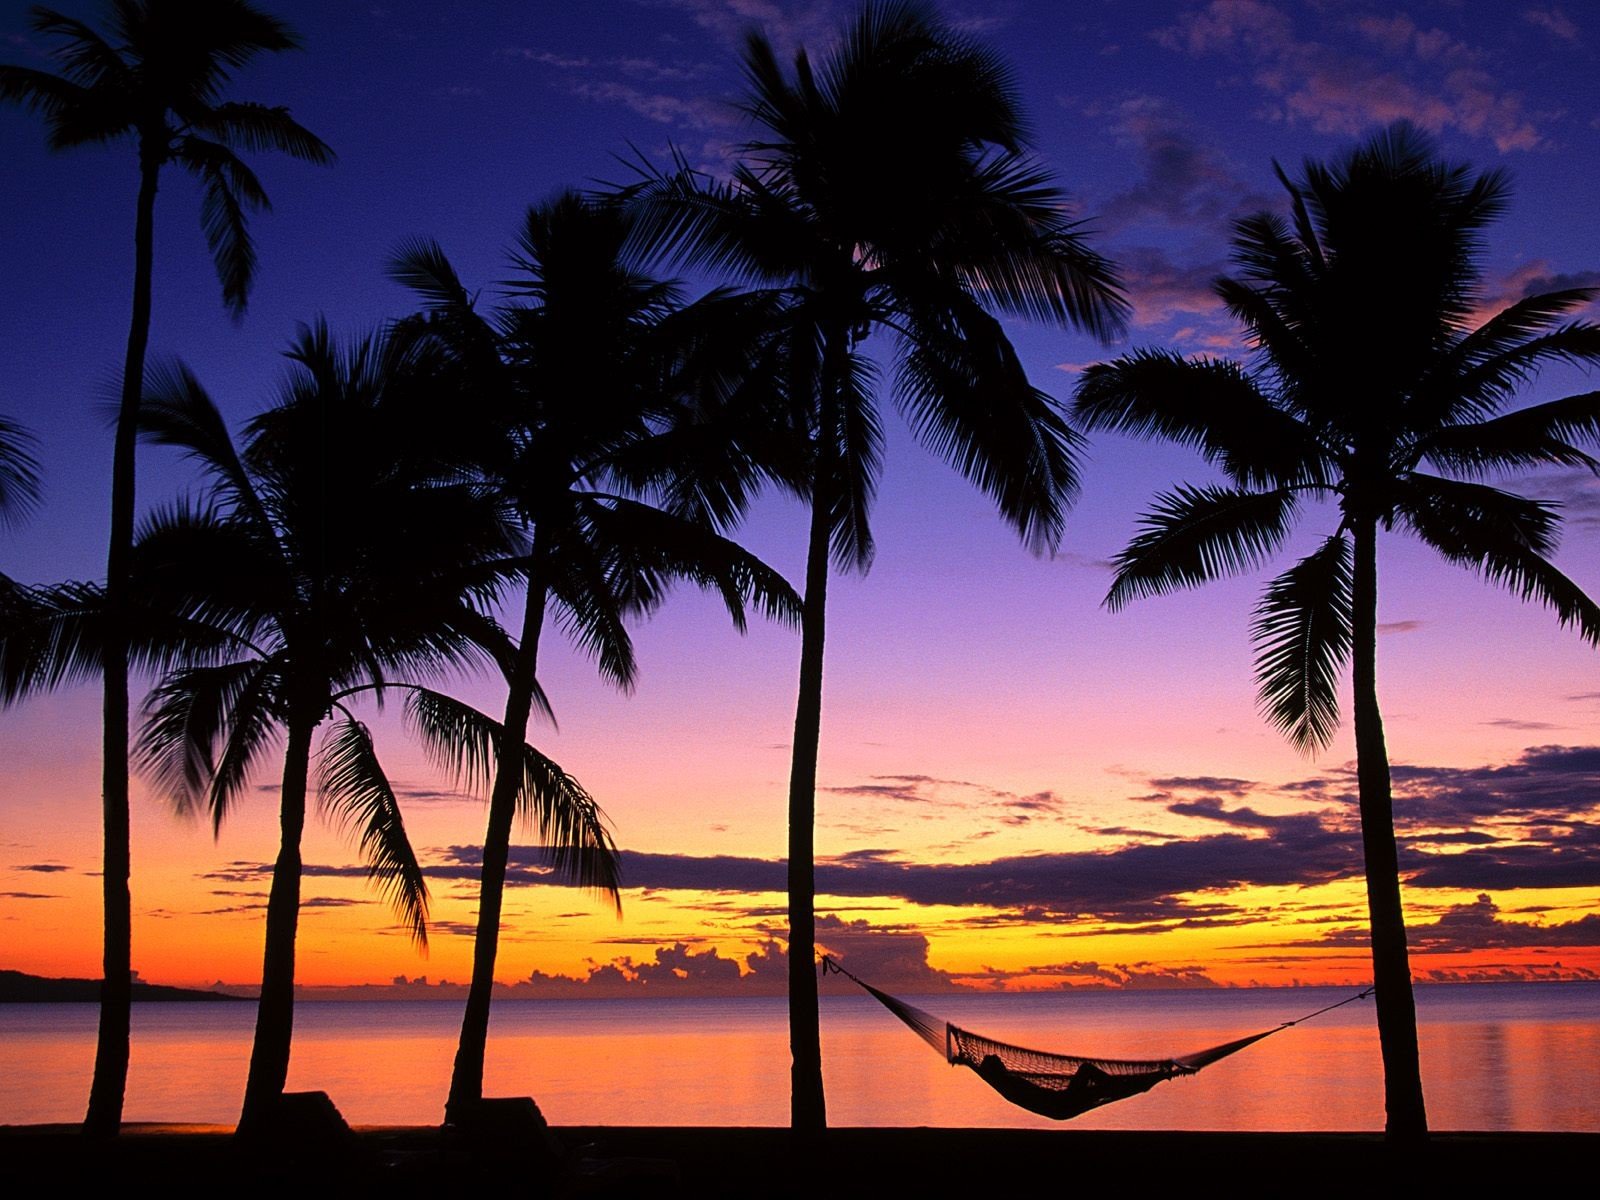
x=1554, y=22
x=1409, y=72
x=1391, y=627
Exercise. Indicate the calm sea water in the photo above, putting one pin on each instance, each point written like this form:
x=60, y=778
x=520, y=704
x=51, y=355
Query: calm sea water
x=1494, y=1056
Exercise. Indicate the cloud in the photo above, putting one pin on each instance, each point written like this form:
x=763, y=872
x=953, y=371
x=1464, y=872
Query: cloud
x=1389, y=627
x=1183, y=180
x=1576, y=492
x=1402, y=72
x=28, y=896
x=1524, y=726
x=1555, y=973
x=1203, y=783
x=1129, y=884
x=41, y=868
x=1097, y=976
x=1210, y=808
x=1532, y=278
x=1011, y=808
x=1555, y=22
x=1532, y=822
x=1160, y=288
x=789, y=24
x=1474, y=926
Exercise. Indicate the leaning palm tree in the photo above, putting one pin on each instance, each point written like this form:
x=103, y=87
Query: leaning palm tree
x=338, y=560
x=890, y=191
x=1370, y=388
x=562, y=395
x=154, y=78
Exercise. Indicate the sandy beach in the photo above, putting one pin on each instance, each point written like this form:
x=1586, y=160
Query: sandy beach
x=733, y=1162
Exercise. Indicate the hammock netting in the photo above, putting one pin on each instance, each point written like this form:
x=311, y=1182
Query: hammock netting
x=1057, y=1086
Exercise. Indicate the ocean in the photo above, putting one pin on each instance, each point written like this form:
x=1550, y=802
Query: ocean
x=1494, y=1057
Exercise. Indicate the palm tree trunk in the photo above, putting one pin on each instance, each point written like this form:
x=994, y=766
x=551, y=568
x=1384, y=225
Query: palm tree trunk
x=466, y=1079
x=808, y=1108
x=1391, y=969
x=104, y=1116
x=269, y=1056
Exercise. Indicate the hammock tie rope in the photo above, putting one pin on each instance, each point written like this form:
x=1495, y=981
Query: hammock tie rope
x=1057, y=1086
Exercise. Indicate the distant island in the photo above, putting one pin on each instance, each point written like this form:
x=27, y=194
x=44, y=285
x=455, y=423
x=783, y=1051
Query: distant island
x=19, y=988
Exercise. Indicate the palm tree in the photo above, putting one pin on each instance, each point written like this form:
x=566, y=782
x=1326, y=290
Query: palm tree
x=1368, y=377
x=337, y=565
x=562, y=393
x=155, y=78
x=891, y=191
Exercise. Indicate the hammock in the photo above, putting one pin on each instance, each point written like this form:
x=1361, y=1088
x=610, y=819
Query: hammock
x=1058, y=1086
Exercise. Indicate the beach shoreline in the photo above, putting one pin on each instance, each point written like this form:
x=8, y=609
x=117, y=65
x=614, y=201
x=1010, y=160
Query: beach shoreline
x=764, y=1161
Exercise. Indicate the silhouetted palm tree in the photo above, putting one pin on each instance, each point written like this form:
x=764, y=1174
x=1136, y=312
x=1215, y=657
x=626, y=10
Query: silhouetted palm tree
x=891, y=191
x=1368, y=376
x=154, y=78
x=561, y=395
x=338, y=565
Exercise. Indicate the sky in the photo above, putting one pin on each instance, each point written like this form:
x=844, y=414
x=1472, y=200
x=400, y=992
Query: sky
x=1017, y=788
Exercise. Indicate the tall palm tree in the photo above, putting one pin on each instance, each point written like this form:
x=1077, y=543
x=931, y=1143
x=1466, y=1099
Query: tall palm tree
x=155, y=78
x=1368, y=376
x=338, y=564
x=562, y=393
x=891, y=190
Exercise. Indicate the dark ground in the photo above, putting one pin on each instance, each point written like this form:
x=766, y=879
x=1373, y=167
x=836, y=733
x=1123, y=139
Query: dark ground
x=49, y=1161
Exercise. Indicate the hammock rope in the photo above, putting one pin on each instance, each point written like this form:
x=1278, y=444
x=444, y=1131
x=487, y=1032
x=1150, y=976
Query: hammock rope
x=1057, y=1086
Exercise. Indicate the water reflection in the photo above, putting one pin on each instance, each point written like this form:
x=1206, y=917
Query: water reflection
x=1494, y=1057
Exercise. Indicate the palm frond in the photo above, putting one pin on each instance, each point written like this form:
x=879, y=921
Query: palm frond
x=1504, y=538
x=206, y=565
x=356, y=794
x=464, y=741
x=50, y=637
x=421, y=265
x=1541, y=435
x=1302, y=635
x=1456, y=512
x=1011, y=243
x=853, y=450
x=252, y=126
x=19, y=472
x=74, y=114
x=685, y=218
x=229, y=187
x=589, y=608
x=571, y=827
x=1213, y=406
x=647, y=548
x=1196, y=534
x=176, y=410
x=457, y=738
x=1467, y=387
x=189, y=714
x=966, y=396
x=85, y=54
